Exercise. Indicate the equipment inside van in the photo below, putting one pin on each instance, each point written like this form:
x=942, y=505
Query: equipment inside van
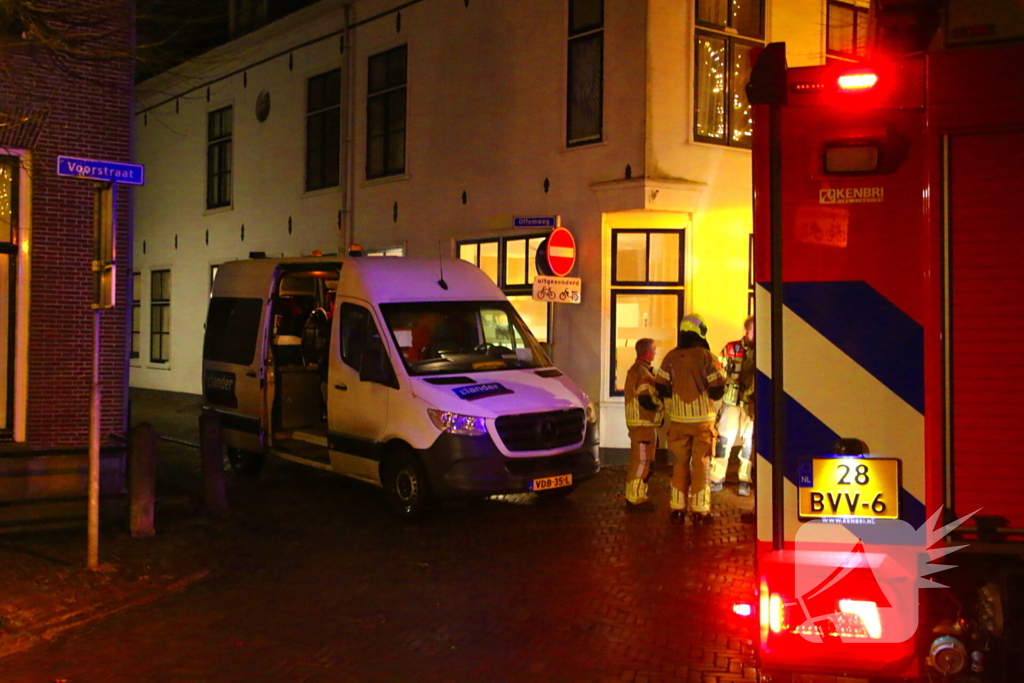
x=415, y=375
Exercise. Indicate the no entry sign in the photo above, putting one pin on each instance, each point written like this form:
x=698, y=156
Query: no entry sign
x=561, y=252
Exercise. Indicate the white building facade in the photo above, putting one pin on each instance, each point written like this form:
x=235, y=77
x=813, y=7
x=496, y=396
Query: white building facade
x=426, y=127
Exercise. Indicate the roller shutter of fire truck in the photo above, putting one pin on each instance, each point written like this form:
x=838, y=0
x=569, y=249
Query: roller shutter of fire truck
x=986, y=240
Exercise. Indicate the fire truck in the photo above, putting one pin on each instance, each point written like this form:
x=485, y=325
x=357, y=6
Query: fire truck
x=889, y=269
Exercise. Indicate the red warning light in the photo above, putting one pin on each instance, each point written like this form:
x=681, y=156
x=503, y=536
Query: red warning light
x=857, y=81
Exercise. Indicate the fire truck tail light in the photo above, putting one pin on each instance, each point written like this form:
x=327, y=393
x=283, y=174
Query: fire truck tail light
x=776, y=613
x=867, y=611
x=857, y=81
x=743, y=609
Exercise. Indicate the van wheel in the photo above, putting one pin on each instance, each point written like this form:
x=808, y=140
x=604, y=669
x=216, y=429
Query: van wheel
x=555, y=494
x=406, y=486
x=245, y=462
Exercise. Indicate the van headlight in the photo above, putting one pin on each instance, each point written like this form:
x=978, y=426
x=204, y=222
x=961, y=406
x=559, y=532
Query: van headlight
x=454, y=423
x=588, y=407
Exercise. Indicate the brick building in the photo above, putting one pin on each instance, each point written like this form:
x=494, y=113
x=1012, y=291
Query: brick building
x=51, y=104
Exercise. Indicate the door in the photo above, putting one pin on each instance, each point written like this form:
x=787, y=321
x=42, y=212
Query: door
x=986, y=255
x=357, y=408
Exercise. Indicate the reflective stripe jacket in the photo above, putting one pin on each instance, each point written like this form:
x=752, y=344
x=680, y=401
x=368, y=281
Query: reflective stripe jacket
x=640, y=382
x=690, y=373
x=737, y=359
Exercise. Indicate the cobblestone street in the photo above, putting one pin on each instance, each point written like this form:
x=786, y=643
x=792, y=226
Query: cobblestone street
x=310, y=580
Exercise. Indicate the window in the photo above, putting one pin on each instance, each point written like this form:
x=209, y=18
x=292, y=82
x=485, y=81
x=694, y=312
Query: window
x=512, y=263
x=232, y=326
x=847, y=30
x=585, y=86
x=647, y=295
x=729, y=31
x=396, y=250
x=136, y=312
x=385, y=113
x=218, y=158
x=160, y=316
x=10, y=173
x=323, y=130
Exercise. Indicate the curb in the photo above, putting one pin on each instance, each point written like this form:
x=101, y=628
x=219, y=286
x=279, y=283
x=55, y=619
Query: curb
x=54, y=627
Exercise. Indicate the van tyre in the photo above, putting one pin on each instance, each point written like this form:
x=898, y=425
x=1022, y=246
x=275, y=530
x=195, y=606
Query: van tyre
x=406, y=486
x=245, y=462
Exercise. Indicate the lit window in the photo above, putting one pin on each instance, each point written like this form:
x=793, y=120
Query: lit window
x=647, y=295
x=847, y=30
x=729, y=31
x=511, y=262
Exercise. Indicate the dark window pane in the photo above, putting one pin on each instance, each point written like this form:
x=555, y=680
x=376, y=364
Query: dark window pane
x=746, y=18
x=232, y=326
x=585, y=15
x=713, y=12
x=841, y=29
x=585, y=89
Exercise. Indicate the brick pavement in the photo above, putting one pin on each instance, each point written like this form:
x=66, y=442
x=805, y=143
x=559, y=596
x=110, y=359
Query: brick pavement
x=307, y=579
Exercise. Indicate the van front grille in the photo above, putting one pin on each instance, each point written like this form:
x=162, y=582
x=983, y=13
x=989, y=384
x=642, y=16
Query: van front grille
x=541, y=431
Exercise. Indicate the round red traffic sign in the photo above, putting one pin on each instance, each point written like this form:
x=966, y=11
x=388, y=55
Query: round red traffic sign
x=561, y=252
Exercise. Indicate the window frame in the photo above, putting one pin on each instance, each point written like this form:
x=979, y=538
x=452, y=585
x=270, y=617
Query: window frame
x=384, y=94
x=160, y=304
x=680, y=295
x=329, y=150
x=135, y=349
x=730, y=42
x=647, y=266
x=506, y=289
x=676, y=288
x=858, y=12
x=589, y=32
x=219, y=194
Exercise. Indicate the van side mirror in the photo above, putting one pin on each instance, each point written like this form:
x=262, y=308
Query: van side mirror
x=374, y=367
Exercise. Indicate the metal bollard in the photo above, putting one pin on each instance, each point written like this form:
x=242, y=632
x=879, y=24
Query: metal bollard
x=211, y=446
x=142, y=479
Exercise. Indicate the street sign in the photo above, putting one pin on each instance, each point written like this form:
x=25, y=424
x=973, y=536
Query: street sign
x=561, y=252
x=556, y=290
x=103, y=171
x=535, y=221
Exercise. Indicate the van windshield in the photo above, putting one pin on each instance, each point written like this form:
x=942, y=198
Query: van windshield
x=444, y=337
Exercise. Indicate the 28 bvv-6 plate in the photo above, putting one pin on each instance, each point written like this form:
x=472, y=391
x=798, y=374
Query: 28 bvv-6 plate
x=849, y=487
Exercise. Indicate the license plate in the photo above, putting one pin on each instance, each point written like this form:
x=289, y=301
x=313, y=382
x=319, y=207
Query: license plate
x=849, y=487
x=551, y=482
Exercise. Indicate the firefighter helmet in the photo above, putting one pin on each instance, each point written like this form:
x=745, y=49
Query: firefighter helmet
x=694, y=322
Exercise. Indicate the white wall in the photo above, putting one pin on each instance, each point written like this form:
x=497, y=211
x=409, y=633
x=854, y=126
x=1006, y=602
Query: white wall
x=486, y=116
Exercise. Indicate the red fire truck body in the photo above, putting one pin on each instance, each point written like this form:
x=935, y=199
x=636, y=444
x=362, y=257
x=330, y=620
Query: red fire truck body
x=889, y=263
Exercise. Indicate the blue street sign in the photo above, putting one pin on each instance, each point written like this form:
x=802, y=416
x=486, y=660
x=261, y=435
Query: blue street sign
x=93, y=169
x=535, y=221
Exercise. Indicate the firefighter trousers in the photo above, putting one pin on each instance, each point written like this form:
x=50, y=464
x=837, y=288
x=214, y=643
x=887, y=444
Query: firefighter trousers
x=691, y=444
x=735, y=427
x=643, y=442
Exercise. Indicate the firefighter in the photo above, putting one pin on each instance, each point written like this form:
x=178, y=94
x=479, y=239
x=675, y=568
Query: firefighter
x=643, y=417
x=691, y=379
x=736, y=421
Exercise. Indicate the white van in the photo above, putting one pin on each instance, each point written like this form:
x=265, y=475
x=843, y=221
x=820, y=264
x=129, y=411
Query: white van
x=415, y=375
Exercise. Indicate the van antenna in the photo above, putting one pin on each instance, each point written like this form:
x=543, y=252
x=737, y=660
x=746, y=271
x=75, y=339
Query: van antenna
x=440, y=266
